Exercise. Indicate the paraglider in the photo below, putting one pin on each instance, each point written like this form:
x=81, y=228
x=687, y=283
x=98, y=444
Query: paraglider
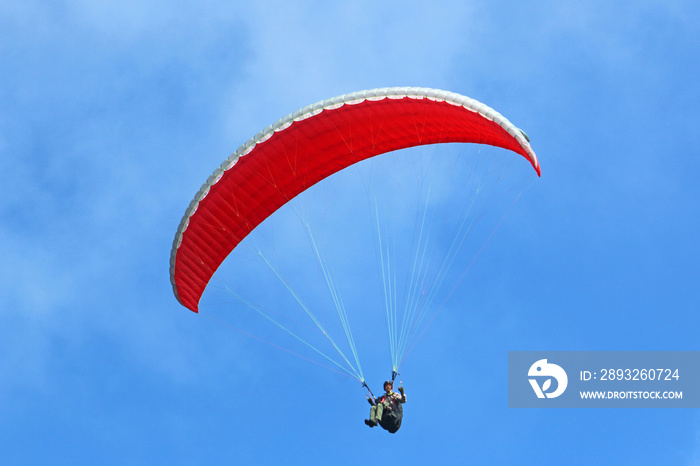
x=307, y=146
x=292, y=155
x=387, y=410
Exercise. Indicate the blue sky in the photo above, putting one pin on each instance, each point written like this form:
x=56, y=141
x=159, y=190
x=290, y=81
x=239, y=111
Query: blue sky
x=112, y=114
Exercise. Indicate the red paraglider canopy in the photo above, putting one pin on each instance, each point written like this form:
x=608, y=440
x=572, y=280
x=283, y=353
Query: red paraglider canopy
x=309, y=145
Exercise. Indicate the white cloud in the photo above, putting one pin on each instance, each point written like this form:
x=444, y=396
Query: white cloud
x=300, y=54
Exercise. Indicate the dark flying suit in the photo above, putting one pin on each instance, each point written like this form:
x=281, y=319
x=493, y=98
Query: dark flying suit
x=388, y=411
